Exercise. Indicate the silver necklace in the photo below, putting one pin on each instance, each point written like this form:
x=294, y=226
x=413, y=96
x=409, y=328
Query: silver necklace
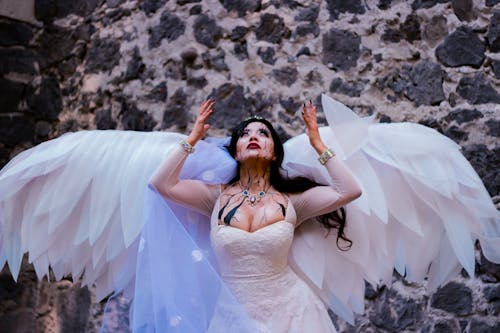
x=252, y=198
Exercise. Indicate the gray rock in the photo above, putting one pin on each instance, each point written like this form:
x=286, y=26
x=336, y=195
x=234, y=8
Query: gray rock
x=432, y=123
x=151, y=6
x=285, y=75
x=435, y=30
x=42, y=129
x=134, y=119
x=241, y=6
x=336, y=7
x=495, y=65
x=492, y=293
x=384, y=119
x=197, y=81
x=116, y=15
x=477, y=90
x=232, y=106
x=371, y=293
x=20, y=320
x=464, y=115
x=267, y=55
x=135, y=66
x=84, y=32
x=426, y=83
x=463, y=9
x=103, y=120
x=103, y=55
x=12, y=94
x=303, y=51
x=486, y=267
x=48, y=10
x=307, y=28
x=456, y=133
x=454, y=298
x=461, y=48
x=15, y=129
x=113, y=3
x=159, y=93
x=170, y=28
x=259, y=103
x=442, y=327
x=417, y=4
x=240, y=50
x=290, y=105
x=189, y=56
x=206, y=31
x=47, y=104
x=492, y=296
x=195, y=10
x=309, y=14
x=272, y=29
x=493, y=127
x=175, y=69
x=395, y=313
x=176, y=112
x=486, y=162
x=215, y=59
x=74, y=309
x=392, y=35
x=411, y=28
x=55, y=44
x=15, y=33
x=384, y=4
x=494, y=32
x=339, y=86
x=17, y=61
x=341, y=49
x=239, y=33
x=185, y=2
x=477, y=326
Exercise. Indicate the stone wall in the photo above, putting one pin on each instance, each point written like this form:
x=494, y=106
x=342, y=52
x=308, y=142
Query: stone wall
x=147, y=65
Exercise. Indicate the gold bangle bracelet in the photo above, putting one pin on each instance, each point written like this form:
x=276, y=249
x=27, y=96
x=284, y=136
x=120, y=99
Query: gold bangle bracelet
x=323, y=158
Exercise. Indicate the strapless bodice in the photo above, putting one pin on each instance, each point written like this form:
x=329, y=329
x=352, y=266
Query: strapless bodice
x=258, y=254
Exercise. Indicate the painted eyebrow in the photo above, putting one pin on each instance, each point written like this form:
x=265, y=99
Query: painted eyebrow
x=264, y=131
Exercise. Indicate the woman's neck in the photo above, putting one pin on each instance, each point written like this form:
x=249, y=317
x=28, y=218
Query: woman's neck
x=255, y=178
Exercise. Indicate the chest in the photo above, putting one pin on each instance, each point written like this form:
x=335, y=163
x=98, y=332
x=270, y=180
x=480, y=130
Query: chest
x=242, y=213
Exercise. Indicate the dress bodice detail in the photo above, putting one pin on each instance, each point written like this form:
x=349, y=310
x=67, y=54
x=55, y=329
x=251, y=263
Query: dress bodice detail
x=262, y=253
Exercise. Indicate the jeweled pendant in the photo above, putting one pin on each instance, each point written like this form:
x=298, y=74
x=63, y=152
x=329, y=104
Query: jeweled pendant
x=252, y=199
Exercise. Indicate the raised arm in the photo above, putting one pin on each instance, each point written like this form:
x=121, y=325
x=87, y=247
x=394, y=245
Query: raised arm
x=192, y=193
x=320, y=200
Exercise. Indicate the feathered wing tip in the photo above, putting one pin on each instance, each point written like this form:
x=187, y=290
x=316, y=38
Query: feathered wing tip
x=423, y=207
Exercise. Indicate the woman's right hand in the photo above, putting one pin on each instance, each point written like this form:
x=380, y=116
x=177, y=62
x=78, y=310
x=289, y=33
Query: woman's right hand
x=200, y=127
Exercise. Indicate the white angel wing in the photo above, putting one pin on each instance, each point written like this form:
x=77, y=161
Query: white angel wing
x=75, y=203
x=423, y=206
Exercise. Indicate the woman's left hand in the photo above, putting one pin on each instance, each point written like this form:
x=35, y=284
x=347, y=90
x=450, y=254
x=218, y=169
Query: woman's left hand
x=309, y=113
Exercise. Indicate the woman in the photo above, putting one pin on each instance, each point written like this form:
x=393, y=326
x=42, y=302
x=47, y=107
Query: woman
x=253, y=219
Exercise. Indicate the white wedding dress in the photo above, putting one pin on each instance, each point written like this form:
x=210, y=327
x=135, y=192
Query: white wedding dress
x=255, y=267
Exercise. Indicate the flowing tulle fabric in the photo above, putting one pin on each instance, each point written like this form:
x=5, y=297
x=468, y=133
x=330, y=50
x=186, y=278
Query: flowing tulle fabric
x=177, y=285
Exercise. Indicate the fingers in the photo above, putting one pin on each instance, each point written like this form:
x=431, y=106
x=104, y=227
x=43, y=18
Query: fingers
x=308, y=110
x=206, y=109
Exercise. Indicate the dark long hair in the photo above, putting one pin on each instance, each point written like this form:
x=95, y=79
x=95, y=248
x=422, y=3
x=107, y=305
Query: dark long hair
x=332, y=220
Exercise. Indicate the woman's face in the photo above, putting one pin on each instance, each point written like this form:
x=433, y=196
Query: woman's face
x=255, y=142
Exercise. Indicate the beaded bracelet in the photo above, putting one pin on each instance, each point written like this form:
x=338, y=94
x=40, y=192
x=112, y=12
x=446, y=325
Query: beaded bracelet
x=323, y=158
x=187, y=147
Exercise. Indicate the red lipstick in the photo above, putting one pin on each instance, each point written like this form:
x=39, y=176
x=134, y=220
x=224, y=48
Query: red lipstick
x=253, y=145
